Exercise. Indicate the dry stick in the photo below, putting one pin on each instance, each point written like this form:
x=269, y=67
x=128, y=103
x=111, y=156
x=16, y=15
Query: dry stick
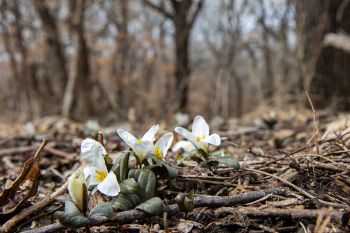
x=315, y=123
x=290, y=213
x=298, y=189
x=203, y=201
x=63, y=154
x=295, y=214
x=32, y=209
x=17, y=150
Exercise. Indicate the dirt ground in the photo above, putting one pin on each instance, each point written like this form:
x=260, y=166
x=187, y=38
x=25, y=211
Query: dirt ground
x=293, y=176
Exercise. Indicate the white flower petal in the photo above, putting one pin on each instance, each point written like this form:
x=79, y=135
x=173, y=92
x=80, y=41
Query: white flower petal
x=186, y=134
x=200, y=128
x=149, y=135
x=164, y=143
x=187, y=146
x=109, y=186
x=90, y=176
x=129, y=139
x=76, y=189
x=214, y=139
x=93, y=153
x=142, y=149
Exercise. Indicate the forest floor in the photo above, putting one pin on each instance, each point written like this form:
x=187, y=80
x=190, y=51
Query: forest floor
x=293, y=176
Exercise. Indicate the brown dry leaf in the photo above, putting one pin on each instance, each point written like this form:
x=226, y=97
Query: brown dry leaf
x=17, y=192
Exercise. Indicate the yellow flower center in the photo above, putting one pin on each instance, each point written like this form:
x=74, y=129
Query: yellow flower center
x=100, y=175
x=203, y=136
x=198, y=138
x=157, y=153
x=139, y=140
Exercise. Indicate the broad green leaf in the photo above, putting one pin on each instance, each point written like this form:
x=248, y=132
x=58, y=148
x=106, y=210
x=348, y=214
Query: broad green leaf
x=71, y=216
x=153, y=206
x=164, y=170
x=203, y=153
x=121, y=166
x=147, y=182
x=129, y=186
x=101, y=212
x=125, y=202
x=134, y=173
x=227, y=160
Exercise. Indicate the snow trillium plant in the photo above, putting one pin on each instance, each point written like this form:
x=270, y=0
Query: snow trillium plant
x=199, y=136
x=144, y=146
x=96, y=172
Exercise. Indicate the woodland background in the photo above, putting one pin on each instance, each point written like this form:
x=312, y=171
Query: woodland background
x=116, y=60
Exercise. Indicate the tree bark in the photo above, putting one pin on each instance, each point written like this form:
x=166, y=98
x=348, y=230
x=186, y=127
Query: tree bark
x=77, y=96
x=183, y=18
x=325, y=69
x=53, y=41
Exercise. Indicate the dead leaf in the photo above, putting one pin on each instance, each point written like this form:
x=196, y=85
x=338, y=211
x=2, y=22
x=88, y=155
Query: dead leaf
x=17, y=192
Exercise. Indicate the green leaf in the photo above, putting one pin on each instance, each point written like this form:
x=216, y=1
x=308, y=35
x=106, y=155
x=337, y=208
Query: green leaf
x=121, y=166
x=153, y=206
x=164, y=170
x=125, y=202
x=129, y=186
x=71, y=216
x=134, y=173
x=227, y=160
x=101, y=212
x=147, y=181
x=185, y=202
x=203, y=153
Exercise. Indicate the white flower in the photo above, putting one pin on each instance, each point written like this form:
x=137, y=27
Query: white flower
x=141, y=146
x=200, y=134
x=77, y=190
x=187, y=146
x=96, y=172
x=162, y=146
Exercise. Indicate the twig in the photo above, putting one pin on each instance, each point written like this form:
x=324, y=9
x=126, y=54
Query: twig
x=315, y=122
x=32, y=209
x=17, y=150
x=293, y=213
x=203, y=201
x=63, y=154
x=297, y=188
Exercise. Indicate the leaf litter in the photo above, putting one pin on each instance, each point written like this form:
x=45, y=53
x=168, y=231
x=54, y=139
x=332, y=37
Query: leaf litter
x=307, y=191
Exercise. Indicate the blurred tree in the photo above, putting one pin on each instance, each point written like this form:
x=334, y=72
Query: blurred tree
x=77, y=93
x=324, y=69
x=183, y=15
x=54, y=43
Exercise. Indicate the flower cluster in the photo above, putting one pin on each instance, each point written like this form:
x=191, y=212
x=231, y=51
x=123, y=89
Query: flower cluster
x=96, y=176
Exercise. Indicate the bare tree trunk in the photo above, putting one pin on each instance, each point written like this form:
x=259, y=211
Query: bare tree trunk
x=282, y=84
x=8, y=45
x=324, y=69
x=26, y=95
x=183, y=18
x=268, y=82
x=53, y=40
x=78, y=89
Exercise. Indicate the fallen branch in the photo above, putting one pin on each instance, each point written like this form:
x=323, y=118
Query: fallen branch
x=17, y=150
x=203, y=201
x=295, y=214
